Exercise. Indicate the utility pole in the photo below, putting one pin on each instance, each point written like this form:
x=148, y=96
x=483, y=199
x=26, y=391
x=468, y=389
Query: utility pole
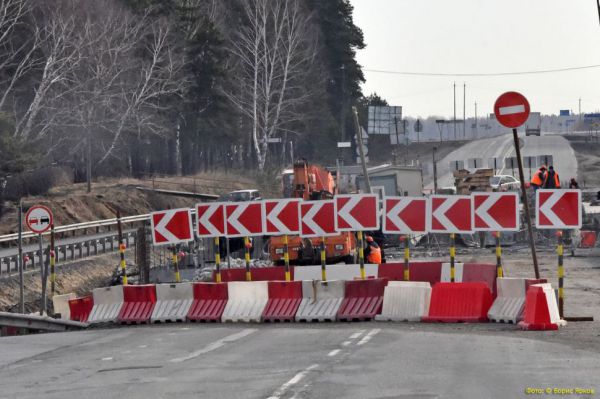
x=397, y=141
x=89, y=163
x=435, y=186
x=476, y=123
x=464, y=111
x=454, y=120
x=580, y=103
x=343, y=108
x=361, y=152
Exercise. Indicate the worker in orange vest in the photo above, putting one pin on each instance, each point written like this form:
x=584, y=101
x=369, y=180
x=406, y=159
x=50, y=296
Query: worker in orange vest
x=551, y=180
x=373, y=252
x=537, y=181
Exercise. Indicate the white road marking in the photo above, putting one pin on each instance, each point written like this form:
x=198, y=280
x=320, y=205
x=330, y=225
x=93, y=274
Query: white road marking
x=357, y=334
x=334, y=352
x=106, y=359
x=513, y=109
x=346, y=343
x=295, y=379
x=142, y=346
x=368, y=337
x=216, y=345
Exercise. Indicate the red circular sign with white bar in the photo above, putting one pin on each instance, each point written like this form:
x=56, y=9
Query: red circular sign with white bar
x=512, y=109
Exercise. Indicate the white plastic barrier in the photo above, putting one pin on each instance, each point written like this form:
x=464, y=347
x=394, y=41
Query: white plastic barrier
x=458, y=272
x=60, y=303
x=107, y=304
x=405, y=301
x=334, y=272
x=552, y=304
x=173, y=301
x=510, y=302
x=321, y=300
x=247, y=301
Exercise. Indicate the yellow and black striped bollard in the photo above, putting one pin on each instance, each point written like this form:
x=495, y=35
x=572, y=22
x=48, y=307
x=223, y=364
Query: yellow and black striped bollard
x=361, y=255
x=217, y=260
x=452, y=255
x=247, y=257
x=176, y=265
x=406, y=240
x=122, y=263
x=323, y=260
x=561, y=273
x=286, y=257
x=499, y=270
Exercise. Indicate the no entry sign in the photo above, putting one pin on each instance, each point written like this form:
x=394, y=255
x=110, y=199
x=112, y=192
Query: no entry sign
x=404, y=215
x=495, y=211
x=172, y=226
x=39, y=219
x=511, y=109
x=558, y=209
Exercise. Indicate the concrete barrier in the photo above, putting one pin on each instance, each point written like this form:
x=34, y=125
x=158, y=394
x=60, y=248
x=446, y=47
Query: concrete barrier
x=173, y=302
x=247, y=301
x=321, y=300
x=458, y=272
x=541, y=309
x=334, y=272
x=510, y=302
x=107, y=304
x=405, y=301
x=60, y=304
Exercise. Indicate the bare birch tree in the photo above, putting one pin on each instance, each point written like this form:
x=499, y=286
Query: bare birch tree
x=274, y=52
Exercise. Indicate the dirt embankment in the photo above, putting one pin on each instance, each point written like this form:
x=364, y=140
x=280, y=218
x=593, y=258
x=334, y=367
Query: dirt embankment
x=79, y=277
x=381, y=151
x=587, y=151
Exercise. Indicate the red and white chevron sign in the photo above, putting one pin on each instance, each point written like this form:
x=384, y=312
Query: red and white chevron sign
x=172, y=226
x=558, y=209
x=210, y=219
x=317, y=218
x=244, y=219
x=281, y=216
x=450, y=214
x=357, y=212
x=495, y=211
x=404, y=215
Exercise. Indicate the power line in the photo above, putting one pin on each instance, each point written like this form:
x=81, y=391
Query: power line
x=541, y=71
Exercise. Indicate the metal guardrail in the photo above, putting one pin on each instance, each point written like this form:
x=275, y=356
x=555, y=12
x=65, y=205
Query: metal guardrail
x=38, y=323
x=79, y=226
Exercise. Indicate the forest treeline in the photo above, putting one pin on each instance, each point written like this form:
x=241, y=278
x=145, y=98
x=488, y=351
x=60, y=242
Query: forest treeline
x=174, y=86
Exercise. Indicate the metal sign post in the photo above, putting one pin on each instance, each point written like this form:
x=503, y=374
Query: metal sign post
x=20, y=261
x=43, y=274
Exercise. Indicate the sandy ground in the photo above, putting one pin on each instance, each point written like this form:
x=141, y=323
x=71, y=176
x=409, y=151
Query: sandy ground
x=587, y=151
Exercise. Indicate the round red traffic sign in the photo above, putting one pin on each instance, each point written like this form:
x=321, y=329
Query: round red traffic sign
x=511, y=109
x=39, y=219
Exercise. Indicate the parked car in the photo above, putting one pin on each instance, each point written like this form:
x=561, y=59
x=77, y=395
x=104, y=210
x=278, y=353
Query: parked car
x=504, y=183
x=241, y=196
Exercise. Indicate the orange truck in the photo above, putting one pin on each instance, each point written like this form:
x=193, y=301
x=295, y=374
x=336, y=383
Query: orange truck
x=311, y=182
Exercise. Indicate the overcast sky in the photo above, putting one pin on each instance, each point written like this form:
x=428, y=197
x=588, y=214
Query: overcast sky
x=480, y=36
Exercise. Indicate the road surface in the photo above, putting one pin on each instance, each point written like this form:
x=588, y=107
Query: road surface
x=353, y=361
x=502, y=147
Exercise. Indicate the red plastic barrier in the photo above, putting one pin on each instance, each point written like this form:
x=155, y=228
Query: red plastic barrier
x=138, y=303
x=537, y=313
x=363, y=299
x=284, y=301
x=459, y=302
x=81, y=308
x=419, y=271
x=532, y=281
x=481, y=272
x=271, y=273
x=209, y=302
x=588, y=239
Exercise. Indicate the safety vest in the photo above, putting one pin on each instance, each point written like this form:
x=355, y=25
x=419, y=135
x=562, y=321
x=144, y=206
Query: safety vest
x=374, y=255
x=538, y=178
x=552, y=180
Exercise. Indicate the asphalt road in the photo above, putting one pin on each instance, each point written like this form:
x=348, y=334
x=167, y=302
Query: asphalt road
x=502, y=147
x=358, y=360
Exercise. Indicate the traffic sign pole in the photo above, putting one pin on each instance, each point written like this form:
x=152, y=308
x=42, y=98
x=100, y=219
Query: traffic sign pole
x=52, y=262
x=43, y=274
x=499, y=271
x=176, y=265
x=217, y=260
x=561, y=273
x=526, y=204
x=247, y=257
x=323, y=260
x=361, y=255
x=20, y=261
x=452, y=255
x=286, y=257
x=406, y=239
x=122, y=262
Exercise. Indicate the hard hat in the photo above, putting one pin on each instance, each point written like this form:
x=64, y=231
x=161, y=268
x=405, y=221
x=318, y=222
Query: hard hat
x=369, y=239
x=543, y=167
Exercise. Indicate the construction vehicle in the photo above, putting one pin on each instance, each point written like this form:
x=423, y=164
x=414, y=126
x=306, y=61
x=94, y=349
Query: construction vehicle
x=311, y=182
